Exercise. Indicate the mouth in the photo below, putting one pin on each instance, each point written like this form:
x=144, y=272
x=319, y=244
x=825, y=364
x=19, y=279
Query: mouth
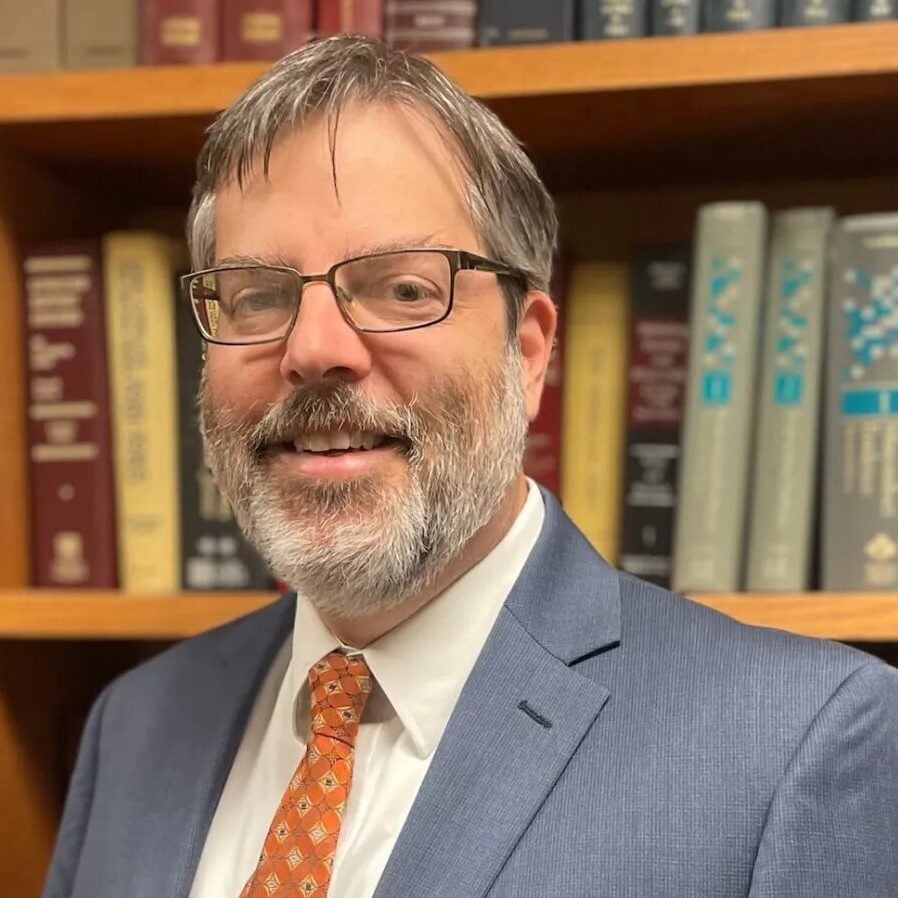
x=338, y=454
x=342, y=442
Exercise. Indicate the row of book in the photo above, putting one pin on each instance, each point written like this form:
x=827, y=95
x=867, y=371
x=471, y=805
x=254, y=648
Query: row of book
x=52, y=34
x=750, y=440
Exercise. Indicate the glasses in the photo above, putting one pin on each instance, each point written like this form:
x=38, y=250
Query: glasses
x=378, y=293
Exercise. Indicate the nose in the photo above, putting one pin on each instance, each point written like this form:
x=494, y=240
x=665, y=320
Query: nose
x=323, y=346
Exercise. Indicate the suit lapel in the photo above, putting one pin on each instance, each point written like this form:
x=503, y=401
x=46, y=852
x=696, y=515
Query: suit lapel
x=521, y=715
x=200, y=740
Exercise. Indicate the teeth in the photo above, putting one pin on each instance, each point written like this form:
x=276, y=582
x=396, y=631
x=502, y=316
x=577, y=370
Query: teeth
x=343, y=440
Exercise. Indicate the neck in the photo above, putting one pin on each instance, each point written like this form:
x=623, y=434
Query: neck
x=359, y=632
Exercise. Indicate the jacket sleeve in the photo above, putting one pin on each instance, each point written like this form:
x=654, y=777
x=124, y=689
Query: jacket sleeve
x=75, y=817
x=832, y=826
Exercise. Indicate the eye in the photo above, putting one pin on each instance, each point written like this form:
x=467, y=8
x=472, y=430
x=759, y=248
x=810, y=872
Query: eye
x=409, y=290
x=249, y=302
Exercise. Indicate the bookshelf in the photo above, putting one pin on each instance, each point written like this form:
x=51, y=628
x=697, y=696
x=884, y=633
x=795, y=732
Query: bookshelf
x=647, y=128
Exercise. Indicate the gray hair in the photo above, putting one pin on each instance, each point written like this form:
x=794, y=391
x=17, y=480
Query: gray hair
x=510, y=207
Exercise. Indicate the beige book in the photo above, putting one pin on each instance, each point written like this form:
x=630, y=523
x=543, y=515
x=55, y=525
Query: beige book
x=30, y=35
x=99, y=34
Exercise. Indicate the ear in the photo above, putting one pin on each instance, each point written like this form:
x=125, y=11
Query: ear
x=536, y=337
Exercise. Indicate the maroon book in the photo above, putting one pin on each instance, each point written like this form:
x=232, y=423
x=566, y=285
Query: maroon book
x=542, y=456
x=422, y=25
x=265, y=29
x=350, y=17
x=67, y=422
x=175, y=32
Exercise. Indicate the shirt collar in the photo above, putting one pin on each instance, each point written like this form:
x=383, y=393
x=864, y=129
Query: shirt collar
x=422, y=664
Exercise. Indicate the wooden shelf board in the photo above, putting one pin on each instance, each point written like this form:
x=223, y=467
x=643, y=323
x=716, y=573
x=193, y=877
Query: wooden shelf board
x=802, y=102
x=56, y=614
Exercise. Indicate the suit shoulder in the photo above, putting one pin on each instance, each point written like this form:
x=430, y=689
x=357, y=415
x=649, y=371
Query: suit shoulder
x=664, y=622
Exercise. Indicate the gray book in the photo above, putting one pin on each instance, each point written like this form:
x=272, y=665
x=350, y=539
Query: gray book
x=613, y=19
x=728, y=280
x=874, y=10
x=860, y=497
x=807, y=13
x=783, y=494
x=30, y=35
x=100, y=34
x=738, y=15
x=674, y=17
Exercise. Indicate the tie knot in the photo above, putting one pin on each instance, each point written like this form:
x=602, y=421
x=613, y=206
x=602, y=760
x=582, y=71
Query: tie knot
x=339, y=686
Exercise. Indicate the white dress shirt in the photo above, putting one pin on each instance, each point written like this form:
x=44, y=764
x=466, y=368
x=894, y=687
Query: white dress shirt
x=419, y=669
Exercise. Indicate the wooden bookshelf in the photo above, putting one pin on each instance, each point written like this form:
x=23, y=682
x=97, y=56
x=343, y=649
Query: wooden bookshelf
x=651, y=128
x=66, y=615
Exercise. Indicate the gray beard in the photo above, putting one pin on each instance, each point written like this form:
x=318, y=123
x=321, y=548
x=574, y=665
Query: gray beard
x=364, y=547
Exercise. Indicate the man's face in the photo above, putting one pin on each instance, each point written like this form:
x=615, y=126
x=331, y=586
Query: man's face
x=363, y=529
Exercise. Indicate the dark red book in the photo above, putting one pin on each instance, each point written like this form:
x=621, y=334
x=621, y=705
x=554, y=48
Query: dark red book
x=67, y=418
x=542, y=456
x=176, y=32
x=265, y=29
x=423, y=25
x=350, y=17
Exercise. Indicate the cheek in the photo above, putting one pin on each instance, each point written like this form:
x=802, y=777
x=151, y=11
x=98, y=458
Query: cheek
x=241, y=379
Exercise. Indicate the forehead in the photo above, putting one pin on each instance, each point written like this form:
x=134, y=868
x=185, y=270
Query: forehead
x=378, y=174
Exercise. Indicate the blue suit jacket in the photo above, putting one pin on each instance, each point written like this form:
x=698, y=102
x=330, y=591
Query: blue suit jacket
x=662, y=751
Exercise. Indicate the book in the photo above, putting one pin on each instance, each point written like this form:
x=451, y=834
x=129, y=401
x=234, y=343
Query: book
x=873, y=10
x=214, y=553
x=350, y=17
x=526, y=21
x=264, y=29
x=179, y=32
x=613, y=19
x=67, y=428
x=593, y=402
x=100, y=34
x=807, y=13
x=423, y=25
x=673, y=17
x=738, y=15
x=659, y=343
x=138, y=274
x=784, y=485
x=542, y=455
x=860, y=495
x=30, y=36
x=727, y=286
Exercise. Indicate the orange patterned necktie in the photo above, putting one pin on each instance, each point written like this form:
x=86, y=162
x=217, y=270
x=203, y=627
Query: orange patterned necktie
x=298, y=853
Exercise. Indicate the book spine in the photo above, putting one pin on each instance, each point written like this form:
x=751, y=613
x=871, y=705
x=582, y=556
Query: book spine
x=100, y=33
x=214, y=554
x=526, y=21
x=807, y=13
x=70, y=465
x=594, y=396
x=723, y=345
x=873, y=10
x=350, y=17
x=613, y=19
x=179, y=32
x=781, y=521
x=422, y=25
x=659, y=342
x=738, y=15
x=542, y=456
x=264, y=29
x=860, y=513
x=674, y=17
x=138, y=271
x=30, y=36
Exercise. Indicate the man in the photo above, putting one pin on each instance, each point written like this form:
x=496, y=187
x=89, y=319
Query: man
x=460, y=698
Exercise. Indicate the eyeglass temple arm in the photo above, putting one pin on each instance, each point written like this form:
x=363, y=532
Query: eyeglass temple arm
x=470, y=262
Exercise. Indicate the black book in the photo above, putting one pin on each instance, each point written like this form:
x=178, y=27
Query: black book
x=214, y=553
x=613, y=19
x=659, y=343
x=672, y=17
x=526, y=21
x=873, y=10
x=739, y=15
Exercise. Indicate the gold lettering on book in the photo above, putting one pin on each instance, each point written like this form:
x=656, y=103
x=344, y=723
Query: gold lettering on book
x=262, y=28
x=180, y=31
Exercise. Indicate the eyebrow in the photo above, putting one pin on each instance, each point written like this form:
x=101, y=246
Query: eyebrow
x=427, y=241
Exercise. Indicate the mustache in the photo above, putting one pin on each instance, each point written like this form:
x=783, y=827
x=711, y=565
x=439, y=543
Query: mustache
x=336, y=407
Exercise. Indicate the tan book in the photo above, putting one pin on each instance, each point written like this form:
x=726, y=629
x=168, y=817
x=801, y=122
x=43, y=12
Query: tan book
x=30, y=35
x=99, y=34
